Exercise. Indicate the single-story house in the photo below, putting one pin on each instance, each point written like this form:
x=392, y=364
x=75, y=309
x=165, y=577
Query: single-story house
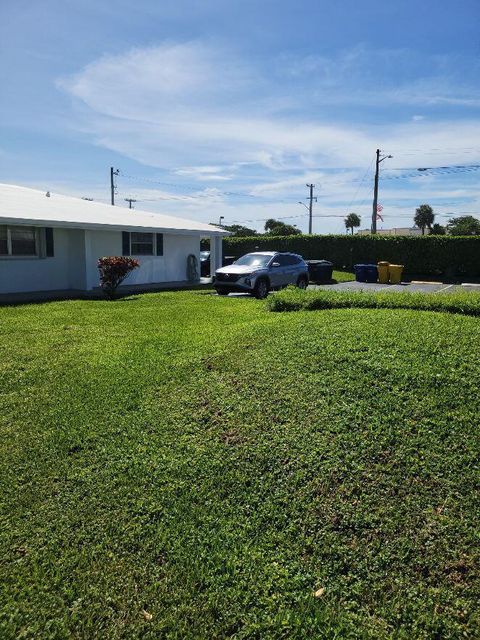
x=51, y=243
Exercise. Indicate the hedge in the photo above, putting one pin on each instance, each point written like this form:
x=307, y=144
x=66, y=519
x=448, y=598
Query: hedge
x=429, y=255
x=294, y=299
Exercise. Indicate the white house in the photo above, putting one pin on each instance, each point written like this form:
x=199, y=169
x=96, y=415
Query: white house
x=51, y=243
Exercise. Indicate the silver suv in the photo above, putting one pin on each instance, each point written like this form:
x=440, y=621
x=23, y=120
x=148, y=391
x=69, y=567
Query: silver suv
x=258, y=273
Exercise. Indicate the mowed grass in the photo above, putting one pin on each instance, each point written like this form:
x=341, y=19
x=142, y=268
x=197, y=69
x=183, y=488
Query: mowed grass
x=343, y=276
x=181, y=465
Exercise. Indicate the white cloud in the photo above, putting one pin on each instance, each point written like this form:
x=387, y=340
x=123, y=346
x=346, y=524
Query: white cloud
x=208, y=116
x=189, y=105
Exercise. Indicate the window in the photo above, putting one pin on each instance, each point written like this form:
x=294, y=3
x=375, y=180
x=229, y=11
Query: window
x=254, y=260
x=283, y=260
x=142, y=244
x=3, y=241
x=287, y=259
x=18, y=241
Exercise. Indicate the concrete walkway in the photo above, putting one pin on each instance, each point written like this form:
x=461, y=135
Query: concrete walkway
x=404, y=287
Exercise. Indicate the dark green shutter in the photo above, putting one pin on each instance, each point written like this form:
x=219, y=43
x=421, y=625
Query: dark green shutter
x=49, y=251
x=159, y=244
x=125, y=243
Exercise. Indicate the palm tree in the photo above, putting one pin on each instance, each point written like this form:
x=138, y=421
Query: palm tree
x=352, y=220
x=424, y=217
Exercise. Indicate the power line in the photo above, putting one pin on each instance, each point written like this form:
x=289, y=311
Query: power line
x=361, y=182
x=417, y=172
x=188, y=188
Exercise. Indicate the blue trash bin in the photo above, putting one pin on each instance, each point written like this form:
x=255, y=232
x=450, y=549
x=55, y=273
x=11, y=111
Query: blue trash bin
x=371, y=272
x=360, y=272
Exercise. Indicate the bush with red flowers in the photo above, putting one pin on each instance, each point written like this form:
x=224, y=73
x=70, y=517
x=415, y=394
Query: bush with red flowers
x=113, y=271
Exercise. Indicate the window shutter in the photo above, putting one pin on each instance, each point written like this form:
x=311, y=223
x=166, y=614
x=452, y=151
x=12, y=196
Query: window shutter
x=159, y=244
x=125, y=243
x=49, y=250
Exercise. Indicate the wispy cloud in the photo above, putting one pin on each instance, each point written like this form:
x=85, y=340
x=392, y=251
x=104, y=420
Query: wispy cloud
x=204, y=114
x=189, y=104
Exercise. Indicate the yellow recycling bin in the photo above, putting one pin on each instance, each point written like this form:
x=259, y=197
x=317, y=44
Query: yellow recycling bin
x=396, y=273
x=383, y=272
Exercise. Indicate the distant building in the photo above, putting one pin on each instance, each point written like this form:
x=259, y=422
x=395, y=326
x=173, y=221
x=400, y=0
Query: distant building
x=396, y=231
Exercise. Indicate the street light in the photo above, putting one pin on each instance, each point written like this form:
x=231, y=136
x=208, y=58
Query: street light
x=375, y=190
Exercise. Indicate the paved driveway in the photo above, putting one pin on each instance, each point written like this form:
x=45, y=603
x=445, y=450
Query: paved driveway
x=404, y=287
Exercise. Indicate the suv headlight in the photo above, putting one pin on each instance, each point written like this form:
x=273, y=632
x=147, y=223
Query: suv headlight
x=248, y=278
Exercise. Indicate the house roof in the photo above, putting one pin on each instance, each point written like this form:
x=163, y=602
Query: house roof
x=21, y=205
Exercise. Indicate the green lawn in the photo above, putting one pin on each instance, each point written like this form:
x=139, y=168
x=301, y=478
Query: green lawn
x=182, y=465
x=343, y=276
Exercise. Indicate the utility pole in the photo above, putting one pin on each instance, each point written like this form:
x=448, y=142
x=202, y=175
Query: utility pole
x=130, y=200
x=310, y=207
x=112, y=183
x=375, y=190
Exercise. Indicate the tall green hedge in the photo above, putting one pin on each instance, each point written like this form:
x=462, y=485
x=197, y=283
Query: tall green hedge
x=429, y=255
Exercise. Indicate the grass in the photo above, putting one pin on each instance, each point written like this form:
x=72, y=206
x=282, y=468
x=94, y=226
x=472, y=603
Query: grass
x=180, y=465
x=343, y=276
x=294, y=299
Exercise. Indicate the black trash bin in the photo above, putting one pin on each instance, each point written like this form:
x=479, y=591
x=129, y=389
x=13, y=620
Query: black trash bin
x=320, y=270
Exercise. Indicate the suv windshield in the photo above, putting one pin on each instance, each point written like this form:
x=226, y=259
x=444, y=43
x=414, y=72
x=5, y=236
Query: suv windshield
x=254, y=260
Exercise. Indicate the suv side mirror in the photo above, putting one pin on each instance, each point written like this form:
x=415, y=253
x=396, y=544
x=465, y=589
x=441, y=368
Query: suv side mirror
x=275, y=264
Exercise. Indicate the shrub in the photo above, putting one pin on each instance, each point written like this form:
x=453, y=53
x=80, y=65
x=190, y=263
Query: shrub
x=293, y=299
x=113, y=271
x=432, y=255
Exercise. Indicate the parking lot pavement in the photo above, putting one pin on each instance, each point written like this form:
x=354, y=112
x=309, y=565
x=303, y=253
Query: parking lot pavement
x=434, y=287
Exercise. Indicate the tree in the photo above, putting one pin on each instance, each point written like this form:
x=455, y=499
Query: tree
x=278, y=228
x=437, y=230
x=464, y=226
x=351, y=221
x=113, y=271
x=424, y=217
x=239, y=231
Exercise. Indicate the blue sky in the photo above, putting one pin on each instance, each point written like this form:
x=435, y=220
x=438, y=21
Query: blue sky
x=230, y=107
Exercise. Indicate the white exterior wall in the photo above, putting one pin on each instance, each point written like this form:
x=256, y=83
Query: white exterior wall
x=38, y=274
x=74, y=265
x=171, y=267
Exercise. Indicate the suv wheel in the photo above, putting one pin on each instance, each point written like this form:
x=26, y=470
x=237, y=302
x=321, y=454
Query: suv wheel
x=302, y=282
x=261, y=289
x=222, y=292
